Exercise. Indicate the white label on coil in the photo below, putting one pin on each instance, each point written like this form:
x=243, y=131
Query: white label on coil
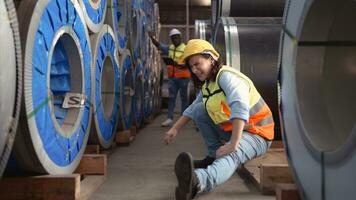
x=73, y=100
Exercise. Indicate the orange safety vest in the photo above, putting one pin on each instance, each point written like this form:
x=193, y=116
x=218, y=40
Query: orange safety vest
x=260, y=121
x=177, y=71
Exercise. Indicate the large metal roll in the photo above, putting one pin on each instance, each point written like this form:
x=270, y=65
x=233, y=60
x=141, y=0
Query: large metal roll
x=149, y=11
x=245, y=8
x=251, y=46
x=117, y=16
x=318, y=84
x=156, y=20
x=148, y=97
x=127, y=90
x=150, y=51
x=142, y=4
x=139, y=94
x=94, y=13
x=143, y=39
x=155, y=96
x=202, y=29
x=57, y=61
x=10, y=79
x=215, y=12
x=105, y=86
x=135, y=29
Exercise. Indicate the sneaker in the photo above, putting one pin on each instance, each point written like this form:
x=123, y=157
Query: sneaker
x=203, y=163
x=168, y=122
x=187, y=180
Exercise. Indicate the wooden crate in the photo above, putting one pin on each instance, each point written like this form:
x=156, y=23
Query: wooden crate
x=125, y=137
x=108, y=152
x=92, y=149
x=92, y=164
x=277, y=144
x=267, y=170
x=287, y=191
x=88, y=177
x=149, y=120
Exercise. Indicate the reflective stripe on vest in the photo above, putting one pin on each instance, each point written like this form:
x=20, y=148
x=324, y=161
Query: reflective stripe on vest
x=260, y=121
x=176, y=71
x=179, y=72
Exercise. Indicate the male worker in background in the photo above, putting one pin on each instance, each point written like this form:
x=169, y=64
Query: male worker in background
x=179, y=75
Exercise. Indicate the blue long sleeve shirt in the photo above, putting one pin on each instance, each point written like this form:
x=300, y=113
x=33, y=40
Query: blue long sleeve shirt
x=237, y=96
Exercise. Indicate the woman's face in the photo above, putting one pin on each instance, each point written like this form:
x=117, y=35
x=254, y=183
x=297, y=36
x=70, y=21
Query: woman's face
x=201, y=66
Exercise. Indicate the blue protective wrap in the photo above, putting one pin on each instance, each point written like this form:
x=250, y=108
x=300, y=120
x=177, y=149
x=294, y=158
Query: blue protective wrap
x=147, y=108
x=136, y=4
x=58, y=13
x=96, y=15
x=107, y=127
x=127, y=119
x=142, y=39
x=135, y=50
x=60, y=80
x=122, y=39
x=138, y=113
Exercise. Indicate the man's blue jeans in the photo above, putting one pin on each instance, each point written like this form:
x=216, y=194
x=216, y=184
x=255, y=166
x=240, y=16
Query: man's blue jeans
x=175, y=85
x=250, y=146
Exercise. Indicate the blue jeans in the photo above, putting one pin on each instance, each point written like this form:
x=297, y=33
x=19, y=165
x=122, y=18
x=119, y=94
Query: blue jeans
x=250, y=146
x=175, y=85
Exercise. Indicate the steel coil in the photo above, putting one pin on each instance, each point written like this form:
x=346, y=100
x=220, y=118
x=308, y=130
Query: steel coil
x=251, y=46
x=148, y=85
x=94, y=13
x=156, y=97
x=139, y=94
x=10, y=79
x=318, y=80
x=202, y=29
x=156, y=20
x=105, y=86
x=127, y=90
x=57, y=60
x=135, y=29
x=117, y=17
x=149, y=11
x=246, y=8
x=143, y=37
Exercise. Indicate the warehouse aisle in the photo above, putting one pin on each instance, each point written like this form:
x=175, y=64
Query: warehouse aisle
x=144, y=170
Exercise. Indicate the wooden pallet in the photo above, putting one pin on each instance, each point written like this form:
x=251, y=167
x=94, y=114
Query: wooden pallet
x=268, y=169
x=149, y=119
x=287, y=191
x=95, y=149
x=92, y=149
x=126, y=137
x=89, y=175
x=108, y=152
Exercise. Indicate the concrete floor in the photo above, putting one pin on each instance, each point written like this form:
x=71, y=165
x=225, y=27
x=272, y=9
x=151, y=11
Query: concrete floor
x=145, y=169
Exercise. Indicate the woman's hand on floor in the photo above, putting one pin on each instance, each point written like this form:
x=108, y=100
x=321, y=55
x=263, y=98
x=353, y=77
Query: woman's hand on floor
x=170, y=135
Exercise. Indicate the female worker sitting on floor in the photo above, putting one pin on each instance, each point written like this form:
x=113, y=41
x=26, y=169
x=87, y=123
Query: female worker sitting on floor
x=233, y=118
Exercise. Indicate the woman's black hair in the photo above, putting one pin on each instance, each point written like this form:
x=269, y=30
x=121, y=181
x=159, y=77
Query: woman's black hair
x=214, y=71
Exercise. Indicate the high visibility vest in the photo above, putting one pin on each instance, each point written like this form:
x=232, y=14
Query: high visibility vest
x=260, y=121
x=177, y=71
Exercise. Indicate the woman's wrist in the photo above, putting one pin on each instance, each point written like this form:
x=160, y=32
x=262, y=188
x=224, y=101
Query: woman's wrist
x=234, y=144
x=173, y=128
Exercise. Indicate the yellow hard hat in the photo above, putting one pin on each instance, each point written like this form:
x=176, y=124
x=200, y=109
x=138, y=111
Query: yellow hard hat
x=198, y=46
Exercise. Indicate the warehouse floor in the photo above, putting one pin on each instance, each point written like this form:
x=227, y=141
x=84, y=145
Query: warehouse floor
x=144, y=170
